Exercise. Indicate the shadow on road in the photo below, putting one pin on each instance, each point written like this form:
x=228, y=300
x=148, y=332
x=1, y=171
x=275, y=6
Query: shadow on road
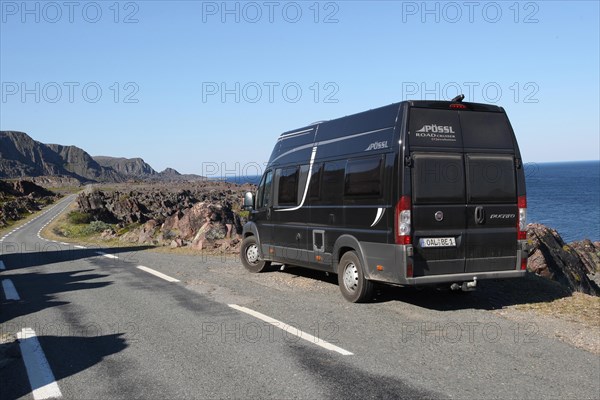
x=37, y=291
x=490, y=294
x=341, y=380
x=16, y=256
x=68, y=355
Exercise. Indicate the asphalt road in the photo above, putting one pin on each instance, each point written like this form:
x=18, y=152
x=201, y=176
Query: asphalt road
x=105, y=328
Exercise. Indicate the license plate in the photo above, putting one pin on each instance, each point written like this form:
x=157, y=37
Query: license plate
x=437, y=242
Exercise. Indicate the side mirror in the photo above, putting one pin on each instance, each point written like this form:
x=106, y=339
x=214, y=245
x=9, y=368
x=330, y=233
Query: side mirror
x=248, y=201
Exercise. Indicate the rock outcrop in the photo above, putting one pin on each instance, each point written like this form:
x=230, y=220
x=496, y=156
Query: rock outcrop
x=201, y=215
x=575, y=265
x=19, y=198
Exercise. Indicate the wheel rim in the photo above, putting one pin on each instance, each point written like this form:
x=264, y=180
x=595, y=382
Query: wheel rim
x=252, y=254
x=351, y=277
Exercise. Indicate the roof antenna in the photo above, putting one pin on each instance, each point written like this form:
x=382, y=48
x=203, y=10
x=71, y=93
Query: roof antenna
x=458, y=98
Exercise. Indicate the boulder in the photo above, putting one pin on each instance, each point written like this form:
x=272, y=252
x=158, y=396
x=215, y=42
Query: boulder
x=572, y=265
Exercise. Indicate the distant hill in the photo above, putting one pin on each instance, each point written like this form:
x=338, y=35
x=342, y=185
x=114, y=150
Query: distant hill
x=126, y=166
x=21, y=156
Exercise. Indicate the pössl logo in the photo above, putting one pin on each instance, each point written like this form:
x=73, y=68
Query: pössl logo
x=436, y=129
x=377, y=146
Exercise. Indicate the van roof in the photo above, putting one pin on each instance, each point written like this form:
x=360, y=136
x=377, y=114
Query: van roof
x=411, y=103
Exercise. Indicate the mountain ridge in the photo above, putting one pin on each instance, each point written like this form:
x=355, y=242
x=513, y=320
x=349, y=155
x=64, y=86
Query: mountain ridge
x=22, y=156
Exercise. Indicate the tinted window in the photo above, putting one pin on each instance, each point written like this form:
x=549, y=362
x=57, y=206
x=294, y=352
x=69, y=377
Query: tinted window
x=332, y=181
x=434, y=128
x=438, y=178
x=491, y=178
x=363, y=177
x=315, y=182
x=486, y=130
x=288, y=186
x=263, y=198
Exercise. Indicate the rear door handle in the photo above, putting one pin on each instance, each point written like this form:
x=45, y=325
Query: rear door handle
x=479, y=215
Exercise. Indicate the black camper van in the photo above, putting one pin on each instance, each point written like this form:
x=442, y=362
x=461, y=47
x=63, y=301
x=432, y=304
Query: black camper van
x=414, y=193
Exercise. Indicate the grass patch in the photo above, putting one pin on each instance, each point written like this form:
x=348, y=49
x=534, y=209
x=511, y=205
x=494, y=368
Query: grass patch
x=78, y=218
x=579, y=307
x=63, y=230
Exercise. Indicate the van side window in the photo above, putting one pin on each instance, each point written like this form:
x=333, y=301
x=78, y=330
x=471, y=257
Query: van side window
x=332, y=182
x=315, y=182
x=263, y=198
x=288, y=186
x=363, y=177
x=302, y=182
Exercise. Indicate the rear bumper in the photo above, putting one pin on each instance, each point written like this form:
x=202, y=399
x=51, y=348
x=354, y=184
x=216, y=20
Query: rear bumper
x=393, y=261
x=451, y=278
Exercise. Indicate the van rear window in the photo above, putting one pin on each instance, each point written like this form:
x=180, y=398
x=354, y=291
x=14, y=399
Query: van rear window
x=486, y=130
x=468, y=129
x=434, y=128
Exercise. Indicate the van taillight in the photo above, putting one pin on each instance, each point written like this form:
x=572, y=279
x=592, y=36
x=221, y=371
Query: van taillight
x=458, y=106
x=522, y=224
x=403, y=228
x=523, y=263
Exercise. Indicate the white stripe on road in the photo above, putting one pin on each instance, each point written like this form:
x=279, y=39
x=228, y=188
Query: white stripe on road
x=10, y=291
x=2, y=265
x=159, y=274
x=40, y=375
x=79, y=247
x=106, y=254
x=290, y=329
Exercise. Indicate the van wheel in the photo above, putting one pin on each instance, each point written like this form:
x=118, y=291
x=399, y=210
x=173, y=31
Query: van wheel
x=251, y=257
x=353, y=285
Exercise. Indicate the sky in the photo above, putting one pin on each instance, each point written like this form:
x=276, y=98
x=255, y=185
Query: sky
x=207, y=87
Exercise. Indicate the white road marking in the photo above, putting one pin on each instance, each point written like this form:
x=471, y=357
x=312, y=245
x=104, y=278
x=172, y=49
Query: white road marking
x=159, y=274
x=10, y=291
x=40, y=375
x=292, y=330
x=79, y=247
x=2, y=266
x=106, y=254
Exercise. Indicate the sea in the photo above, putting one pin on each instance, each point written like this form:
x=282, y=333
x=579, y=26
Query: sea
x=564, y=196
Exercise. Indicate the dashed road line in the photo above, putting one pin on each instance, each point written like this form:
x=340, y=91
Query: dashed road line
x=79, y=247
x=10, y=291
x=156, y=273
x=101, y=253
x=292, y=330
x=40, y=374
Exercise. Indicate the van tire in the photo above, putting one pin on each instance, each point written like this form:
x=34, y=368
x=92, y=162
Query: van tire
x=351, y=279
x=250, y=256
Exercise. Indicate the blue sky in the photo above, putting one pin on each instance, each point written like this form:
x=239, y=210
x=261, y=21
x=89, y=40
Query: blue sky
x=208, y=86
